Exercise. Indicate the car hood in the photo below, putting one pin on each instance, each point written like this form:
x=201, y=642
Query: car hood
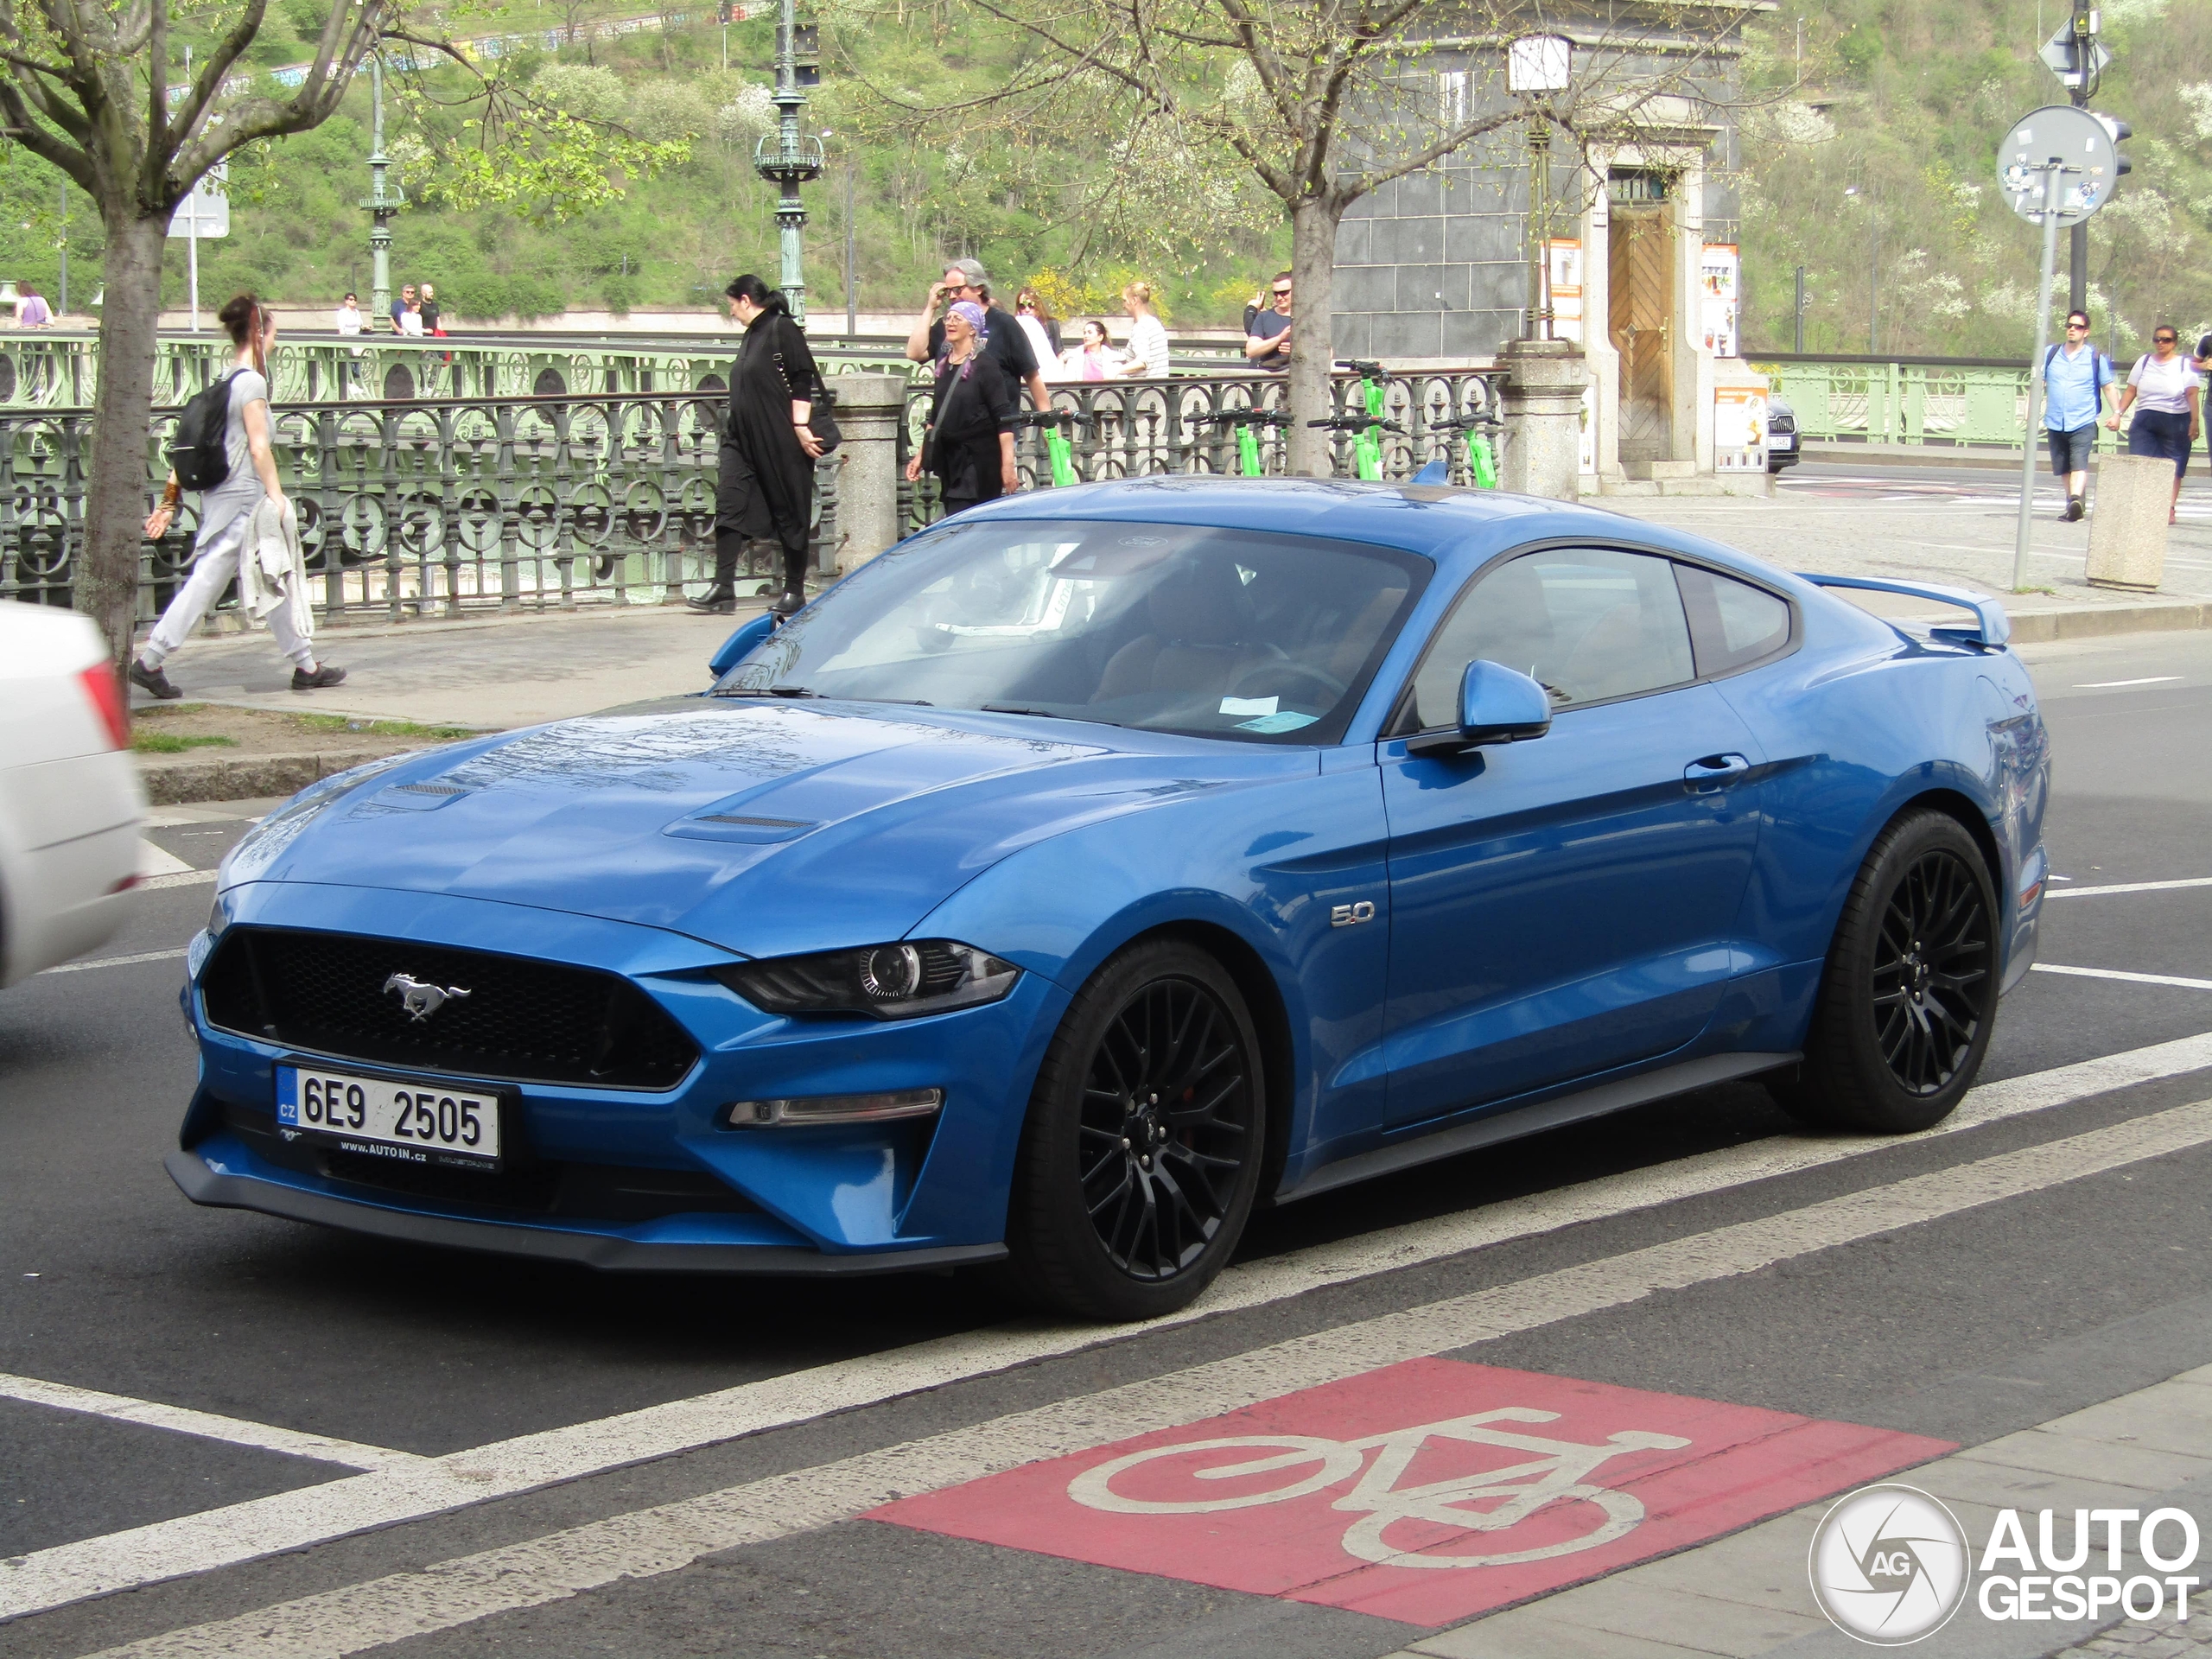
x=766, y=828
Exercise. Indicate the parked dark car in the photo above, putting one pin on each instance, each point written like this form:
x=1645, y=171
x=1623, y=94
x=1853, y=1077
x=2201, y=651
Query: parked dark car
x=1781, y=447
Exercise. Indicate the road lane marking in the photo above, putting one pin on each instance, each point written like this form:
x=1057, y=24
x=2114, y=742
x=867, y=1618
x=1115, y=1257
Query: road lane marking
x=2108, y=685
x=2132, y=979
x=182, y=879
x=205, y=1426
x=113, y=962
x=212, y=1539
x=153, y=861
x=646, y=1543
x=2131, y=886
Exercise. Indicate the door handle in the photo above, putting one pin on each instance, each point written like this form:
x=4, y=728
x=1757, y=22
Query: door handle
x=1714, y=772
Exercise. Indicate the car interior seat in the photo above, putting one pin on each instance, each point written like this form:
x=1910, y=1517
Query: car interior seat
x=1201, y=621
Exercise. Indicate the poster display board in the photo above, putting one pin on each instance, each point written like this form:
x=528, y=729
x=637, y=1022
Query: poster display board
x=1719, y=272
x=1739, y=429
x=1565, y=274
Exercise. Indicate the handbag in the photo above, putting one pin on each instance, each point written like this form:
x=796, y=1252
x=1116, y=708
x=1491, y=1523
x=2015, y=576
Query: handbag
x=822, y=403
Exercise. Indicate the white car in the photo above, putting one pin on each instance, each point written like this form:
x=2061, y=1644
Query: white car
x=70, y=802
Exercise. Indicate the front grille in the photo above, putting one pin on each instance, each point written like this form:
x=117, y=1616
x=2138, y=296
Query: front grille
x=531, y=1021
x=1781, y=423
x=563, y=1191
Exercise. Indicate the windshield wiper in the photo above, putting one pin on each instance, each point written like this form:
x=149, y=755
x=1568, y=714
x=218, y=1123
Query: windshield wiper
x=1044, y=714
x=768, y=691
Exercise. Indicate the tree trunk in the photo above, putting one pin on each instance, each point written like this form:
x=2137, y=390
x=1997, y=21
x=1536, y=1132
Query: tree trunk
x=115, y=493
x=1313, y=266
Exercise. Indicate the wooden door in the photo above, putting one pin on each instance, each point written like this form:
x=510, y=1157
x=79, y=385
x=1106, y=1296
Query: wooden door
x=1641, y=288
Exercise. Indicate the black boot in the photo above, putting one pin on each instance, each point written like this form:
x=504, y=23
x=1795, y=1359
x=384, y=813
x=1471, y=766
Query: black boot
x=794, y=594
x=721, y=598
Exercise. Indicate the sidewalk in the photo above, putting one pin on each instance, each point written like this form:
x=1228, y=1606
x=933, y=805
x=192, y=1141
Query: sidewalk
x=492, y=672
x=1747, y=1594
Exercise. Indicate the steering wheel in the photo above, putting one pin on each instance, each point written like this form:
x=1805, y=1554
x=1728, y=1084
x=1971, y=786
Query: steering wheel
x=1273, y=673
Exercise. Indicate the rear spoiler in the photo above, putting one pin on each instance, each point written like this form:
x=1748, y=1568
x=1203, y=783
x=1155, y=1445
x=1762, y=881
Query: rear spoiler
x=1991, y=626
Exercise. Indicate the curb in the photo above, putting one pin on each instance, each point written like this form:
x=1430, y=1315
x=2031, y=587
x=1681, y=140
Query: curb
x=180, y=782
x=2090, y=622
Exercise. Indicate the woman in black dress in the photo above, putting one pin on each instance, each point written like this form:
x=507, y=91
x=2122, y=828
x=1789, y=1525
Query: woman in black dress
x=969, y=444
x=765, y=488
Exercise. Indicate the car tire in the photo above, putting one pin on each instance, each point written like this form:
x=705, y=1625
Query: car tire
x=1141, y=1154
x=1909, y=997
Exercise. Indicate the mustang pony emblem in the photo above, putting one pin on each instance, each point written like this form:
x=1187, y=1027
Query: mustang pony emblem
x=420, y=1000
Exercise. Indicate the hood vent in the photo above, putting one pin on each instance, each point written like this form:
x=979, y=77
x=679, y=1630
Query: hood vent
x=738, y=826
x=409, y=798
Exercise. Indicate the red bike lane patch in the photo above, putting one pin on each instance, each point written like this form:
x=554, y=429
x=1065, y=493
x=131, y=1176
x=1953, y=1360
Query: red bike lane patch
x=1426, y=1492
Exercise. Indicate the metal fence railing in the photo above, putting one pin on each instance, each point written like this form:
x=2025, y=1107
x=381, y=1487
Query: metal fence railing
x=1932, y=402
x=439, y=506
x=1128, y=429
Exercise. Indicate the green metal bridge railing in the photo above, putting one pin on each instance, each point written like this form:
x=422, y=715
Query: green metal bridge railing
x=1936, y=403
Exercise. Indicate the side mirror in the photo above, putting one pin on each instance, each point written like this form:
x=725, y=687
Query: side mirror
x=735, y=649
x=1496, y=705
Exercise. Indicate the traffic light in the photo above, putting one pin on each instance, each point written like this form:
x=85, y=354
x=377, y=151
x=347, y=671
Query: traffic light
x=807, y=54
x=2119, y=129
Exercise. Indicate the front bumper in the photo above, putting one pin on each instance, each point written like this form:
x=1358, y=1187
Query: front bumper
x=863, y=1198
x=612, y=1252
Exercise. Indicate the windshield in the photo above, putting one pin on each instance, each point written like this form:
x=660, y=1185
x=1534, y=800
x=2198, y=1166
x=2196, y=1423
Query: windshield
x=1234, y=633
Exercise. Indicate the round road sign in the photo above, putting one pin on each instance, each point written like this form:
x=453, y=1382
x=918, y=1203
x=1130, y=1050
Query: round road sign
x=2056, y=135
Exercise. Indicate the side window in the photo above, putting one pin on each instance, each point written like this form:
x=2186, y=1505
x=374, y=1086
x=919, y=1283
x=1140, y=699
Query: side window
x=1734, y=624
x=1591, y=623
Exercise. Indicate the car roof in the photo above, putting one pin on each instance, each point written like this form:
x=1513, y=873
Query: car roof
x=1457, y=528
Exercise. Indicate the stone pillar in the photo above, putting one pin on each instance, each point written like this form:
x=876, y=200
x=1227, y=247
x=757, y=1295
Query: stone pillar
x=1543, y=416
x=869, y=408
x=2127, y=530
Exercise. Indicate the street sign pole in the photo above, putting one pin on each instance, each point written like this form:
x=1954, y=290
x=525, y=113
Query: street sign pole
x=2051, y=174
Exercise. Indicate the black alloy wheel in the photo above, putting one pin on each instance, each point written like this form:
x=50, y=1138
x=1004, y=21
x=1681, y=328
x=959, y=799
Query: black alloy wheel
x=1142, y=1150
x=1909, y=998
x=1933, y=958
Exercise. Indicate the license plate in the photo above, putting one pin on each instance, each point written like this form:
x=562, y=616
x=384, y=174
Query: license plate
x=409, y=1120
x=1782, y=441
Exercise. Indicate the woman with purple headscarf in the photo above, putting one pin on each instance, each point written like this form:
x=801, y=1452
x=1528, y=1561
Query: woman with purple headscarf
x=970, y=442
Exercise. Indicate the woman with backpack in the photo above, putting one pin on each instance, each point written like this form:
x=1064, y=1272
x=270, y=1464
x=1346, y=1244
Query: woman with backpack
x=970, y=441
x=765, y=487
x=227, y=508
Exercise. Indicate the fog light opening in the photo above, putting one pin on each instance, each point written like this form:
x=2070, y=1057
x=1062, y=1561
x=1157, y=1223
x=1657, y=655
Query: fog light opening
x=833, y=1108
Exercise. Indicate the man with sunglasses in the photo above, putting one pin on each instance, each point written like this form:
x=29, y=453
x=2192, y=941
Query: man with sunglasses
x=2074, y=376
x=2164, y=389
x=1266, y=337
x=1004, y=342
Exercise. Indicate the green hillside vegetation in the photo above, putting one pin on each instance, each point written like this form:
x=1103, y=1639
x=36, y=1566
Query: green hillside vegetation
x=1901, y=107
x=1019, y=199
x=1907, y=104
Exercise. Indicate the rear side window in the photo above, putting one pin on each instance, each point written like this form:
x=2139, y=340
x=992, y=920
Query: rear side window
x=1734, y=624
x=1591, y=623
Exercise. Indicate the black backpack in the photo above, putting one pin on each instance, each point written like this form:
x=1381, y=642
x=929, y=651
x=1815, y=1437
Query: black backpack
x=198, y=454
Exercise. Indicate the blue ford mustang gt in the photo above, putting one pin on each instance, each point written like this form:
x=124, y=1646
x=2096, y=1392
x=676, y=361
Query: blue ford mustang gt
x=1092, y=867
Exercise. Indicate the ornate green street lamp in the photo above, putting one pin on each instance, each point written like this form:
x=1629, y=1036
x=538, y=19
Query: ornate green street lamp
x=382, y=201
x=788, y=158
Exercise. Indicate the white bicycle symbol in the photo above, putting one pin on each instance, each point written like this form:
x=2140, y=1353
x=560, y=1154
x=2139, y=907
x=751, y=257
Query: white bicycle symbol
x=1558, y=1473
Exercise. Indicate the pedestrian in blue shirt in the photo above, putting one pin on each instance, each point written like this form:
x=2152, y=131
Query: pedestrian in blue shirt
x=2074, y=377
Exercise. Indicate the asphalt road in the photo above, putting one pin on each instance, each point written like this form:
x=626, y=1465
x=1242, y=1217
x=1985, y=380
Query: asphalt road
x=1969, y=1323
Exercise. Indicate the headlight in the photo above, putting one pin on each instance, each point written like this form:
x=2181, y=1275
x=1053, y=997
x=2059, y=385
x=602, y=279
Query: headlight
x=885, y=982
